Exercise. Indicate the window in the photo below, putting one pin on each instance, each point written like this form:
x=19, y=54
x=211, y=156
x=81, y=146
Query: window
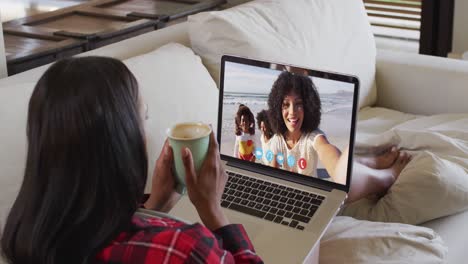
x=396, y=23
x=423, y=26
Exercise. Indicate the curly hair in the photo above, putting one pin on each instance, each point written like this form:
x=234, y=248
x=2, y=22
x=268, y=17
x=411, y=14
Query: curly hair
x=303, y=86
x=245, y=111
x=262, y=116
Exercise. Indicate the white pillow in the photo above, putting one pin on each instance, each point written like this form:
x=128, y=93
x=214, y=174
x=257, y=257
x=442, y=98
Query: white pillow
x=431, y=186
x=14, y=100
x=177, y=88
x=348, y=240
x=332, y=35
x=434, y=184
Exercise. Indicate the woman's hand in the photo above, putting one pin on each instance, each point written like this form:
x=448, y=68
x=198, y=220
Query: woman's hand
x=163, y=195
x=206, y=188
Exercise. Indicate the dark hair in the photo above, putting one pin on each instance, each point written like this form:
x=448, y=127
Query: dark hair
x=304, y=87
x=262, y=116
x=244, y=111
x=86, y=165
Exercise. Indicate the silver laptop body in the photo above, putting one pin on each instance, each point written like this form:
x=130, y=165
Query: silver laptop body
x=280, y=235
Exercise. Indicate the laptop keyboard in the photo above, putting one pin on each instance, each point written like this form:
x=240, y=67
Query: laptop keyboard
x=273, y=202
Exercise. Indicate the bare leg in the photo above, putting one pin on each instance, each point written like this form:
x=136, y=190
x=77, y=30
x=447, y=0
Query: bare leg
x=367, y=181
x=381, y=161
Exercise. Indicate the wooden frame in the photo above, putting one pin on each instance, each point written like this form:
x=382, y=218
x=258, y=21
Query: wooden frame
x=436, y=27
x=58, y=47
x=46, y=37
x=435, y=16
x=114, y=25
x=191, y=7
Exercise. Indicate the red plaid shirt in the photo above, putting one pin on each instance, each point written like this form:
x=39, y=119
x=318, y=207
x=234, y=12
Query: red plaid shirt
x=164, y=240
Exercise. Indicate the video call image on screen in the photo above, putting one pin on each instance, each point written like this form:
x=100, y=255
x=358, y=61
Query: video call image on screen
x=282, y=135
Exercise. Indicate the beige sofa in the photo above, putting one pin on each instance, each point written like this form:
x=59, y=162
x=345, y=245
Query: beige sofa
x=406, y=83
x=3, y=69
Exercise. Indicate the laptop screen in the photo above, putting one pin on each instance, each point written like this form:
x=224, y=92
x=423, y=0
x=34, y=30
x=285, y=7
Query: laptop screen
x=287, y=118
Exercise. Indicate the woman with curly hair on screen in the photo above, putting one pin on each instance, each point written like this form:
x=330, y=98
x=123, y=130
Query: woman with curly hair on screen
x=295, y=115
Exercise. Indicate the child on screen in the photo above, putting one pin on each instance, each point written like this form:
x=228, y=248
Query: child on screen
x=245, y=134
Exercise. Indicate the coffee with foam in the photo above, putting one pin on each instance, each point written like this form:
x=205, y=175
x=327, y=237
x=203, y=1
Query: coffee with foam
x=189, y=131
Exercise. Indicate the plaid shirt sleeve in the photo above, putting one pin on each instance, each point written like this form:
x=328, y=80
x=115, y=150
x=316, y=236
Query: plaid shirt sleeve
x=163, y=240
x=234, y=239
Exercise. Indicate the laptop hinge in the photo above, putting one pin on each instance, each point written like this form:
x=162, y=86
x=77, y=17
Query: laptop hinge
x=282, y=175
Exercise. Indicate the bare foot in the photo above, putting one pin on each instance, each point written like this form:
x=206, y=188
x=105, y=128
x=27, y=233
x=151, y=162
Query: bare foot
x=386, y=177
x=400, y=163
x=382, y=161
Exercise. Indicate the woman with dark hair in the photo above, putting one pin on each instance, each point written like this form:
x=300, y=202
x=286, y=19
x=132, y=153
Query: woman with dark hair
x=244, y=146
x=85, y=175
x=295, y=114
x=267, y=133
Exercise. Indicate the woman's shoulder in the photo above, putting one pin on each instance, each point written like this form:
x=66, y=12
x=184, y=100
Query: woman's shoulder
x=273, y=139
x=313, y=134
x=276, y=141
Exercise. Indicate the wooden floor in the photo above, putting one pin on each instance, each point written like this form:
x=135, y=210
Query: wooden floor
x=13, y=9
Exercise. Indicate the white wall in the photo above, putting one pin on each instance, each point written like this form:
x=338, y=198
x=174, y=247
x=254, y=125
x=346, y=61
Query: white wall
x=3, y=68
x=460, y=27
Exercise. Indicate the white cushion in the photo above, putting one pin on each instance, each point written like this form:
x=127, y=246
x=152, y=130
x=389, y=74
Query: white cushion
x=434, y=183
x=333, y=35
x=437, y=84
x=14, y=100
x=377, y=120
x=348, y=240
x=177, y=88
x=454, y=231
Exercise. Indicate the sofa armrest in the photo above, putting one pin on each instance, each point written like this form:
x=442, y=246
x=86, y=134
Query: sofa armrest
x=3, y=66
x=420, y=84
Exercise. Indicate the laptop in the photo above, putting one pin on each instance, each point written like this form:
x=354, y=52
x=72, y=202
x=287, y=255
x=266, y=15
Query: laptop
x=285, y=199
